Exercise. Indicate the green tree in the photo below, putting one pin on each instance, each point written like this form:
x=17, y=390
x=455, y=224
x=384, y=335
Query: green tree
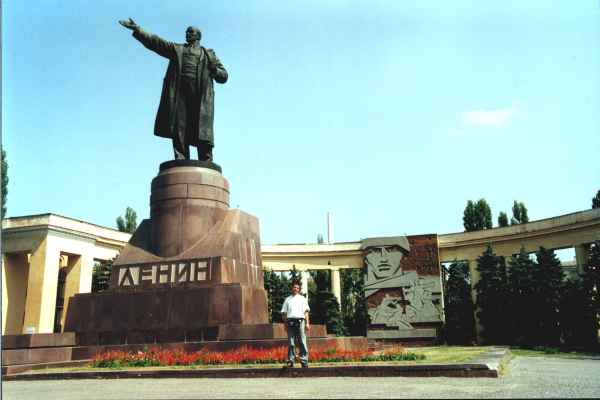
x=4, y=183
x=320, y=239
x=492, y=297
x=502, y=219
x=354, y=306
x=469, y=217
x=596, y=200
x=548, y=278
x=593, y=273
x=576, y=319
x=129, y=223
x=477, y=216
x=295, y=276
x=591, y=293
x=320, y=282
x=324, y=306
x=484, y=214
x=277, y=286
x=268, y=285
x=580, y=305
x=458, y=306
x=519, y=212
x=522, y=302
x=101, y=275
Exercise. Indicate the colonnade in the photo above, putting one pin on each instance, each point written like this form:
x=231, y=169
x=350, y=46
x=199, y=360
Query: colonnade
x=35, y=248
x=46, y=259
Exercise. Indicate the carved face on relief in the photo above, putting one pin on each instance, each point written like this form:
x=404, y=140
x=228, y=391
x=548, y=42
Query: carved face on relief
x=383, y=261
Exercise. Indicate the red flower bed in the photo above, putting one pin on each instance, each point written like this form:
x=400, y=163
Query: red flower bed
x=242, y=355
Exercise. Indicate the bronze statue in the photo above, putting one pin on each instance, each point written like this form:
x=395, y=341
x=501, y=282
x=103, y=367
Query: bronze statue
x=186, y=109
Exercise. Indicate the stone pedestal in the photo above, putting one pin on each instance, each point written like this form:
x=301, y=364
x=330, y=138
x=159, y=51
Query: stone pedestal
x=190, y=272
x=185, y=204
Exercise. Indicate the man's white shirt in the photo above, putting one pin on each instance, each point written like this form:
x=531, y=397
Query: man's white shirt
x=295, y=306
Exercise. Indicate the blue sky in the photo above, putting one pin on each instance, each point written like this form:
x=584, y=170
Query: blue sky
x=389, y=114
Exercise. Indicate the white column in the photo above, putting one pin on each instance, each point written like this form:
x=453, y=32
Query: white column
x=304, y=277
x=336, y=287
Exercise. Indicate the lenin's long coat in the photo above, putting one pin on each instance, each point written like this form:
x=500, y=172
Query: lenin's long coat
x=166, y=121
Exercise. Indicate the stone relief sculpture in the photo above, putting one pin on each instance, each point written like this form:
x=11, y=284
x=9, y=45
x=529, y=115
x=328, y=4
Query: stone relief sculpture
x=421, y=299
x=415, y=304
x=398, y=298
x=392, y=312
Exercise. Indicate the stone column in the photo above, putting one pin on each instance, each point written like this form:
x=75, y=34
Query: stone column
x=14, y=288
x=79, y=278
x=581, y=256
x=304, y=278
x=336, y=288
x=41, y=287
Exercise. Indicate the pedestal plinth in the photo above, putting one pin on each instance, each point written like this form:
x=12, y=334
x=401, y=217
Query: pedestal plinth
x=192, y=270
x=185, y=203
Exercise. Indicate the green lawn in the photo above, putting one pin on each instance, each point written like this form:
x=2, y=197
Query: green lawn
x=448, y=354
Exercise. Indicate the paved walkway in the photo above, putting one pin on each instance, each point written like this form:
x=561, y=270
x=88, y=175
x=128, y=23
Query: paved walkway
x=526, y=377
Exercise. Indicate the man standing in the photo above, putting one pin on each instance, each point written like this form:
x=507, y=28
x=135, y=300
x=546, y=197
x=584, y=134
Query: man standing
x=186, y=109
x=295, y=316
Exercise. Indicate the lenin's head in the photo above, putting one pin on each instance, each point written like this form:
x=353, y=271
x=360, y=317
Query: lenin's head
x=192, y=34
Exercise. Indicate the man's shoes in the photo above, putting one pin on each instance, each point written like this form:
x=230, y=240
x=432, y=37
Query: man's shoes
x=290, y=364
x=304, y=365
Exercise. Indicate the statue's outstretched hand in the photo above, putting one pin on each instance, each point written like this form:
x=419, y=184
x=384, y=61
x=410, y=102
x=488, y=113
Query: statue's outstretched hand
x=129, y=24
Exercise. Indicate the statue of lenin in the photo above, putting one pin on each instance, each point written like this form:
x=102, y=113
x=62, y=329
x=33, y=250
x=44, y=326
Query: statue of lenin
x=186, y=109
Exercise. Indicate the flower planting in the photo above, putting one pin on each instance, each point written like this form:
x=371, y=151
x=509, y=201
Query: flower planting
x=154, y=357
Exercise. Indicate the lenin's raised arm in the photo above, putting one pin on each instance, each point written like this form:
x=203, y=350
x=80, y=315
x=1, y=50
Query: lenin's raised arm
x=152, y=42
x=167, y=49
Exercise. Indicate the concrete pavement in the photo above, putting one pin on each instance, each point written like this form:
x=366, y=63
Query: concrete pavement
x=526, y=377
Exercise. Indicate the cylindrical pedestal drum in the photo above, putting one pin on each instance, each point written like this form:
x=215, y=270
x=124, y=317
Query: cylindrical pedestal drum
x=185, y=202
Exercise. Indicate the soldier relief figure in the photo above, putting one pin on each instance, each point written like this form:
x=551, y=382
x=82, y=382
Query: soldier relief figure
x=412, y=301
x=186, y=109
